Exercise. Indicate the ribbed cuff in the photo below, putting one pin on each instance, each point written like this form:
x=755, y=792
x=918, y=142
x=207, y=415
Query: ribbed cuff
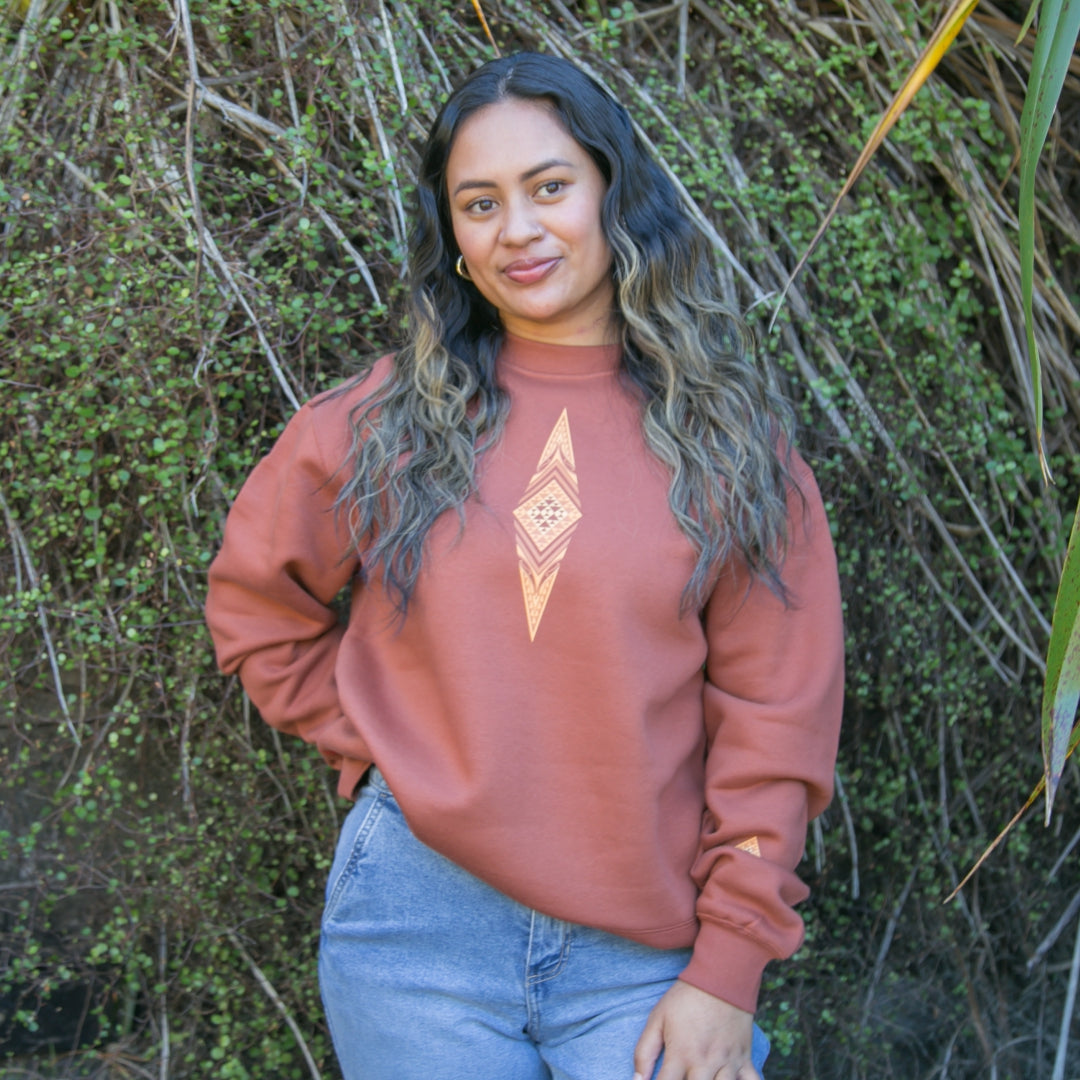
x=728, y=965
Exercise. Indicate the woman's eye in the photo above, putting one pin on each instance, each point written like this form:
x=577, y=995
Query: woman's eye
x=551, y=187
x=481, y=206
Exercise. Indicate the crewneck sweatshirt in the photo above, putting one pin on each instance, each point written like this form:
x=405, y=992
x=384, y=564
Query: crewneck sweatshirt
x=544, y=714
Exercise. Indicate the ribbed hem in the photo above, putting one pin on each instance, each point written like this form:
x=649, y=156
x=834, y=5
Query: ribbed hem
x=728, y=965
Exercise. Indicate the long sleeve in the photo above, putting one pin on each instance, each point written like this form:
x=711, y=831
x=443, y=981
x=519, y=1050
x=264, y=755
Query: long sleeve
x=772, y=700
x=284, y=559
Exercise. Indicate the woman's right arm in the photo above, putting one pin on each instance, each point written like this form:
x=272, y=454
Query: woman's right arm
x=284, y=559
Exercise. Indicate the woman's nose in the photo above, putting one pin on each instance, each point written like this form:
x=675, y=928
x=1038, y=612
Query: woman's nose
x=520, y=223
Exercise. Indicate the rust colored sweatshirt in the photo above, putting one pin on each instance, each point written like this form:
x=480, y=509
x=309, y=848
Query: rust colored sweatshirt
x=543, y=714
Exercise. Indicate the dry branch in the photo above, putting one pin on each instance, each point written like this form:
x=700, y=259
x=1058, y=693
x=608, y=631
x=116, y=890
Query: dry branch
x=1067, y=1012
x=275, y=997
x=24, y=561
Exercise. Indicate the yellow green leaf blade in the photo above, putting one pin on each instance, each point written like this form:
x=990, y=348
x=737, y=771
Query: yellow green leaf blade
x=951, y=24
x=990, y=848
x=943, y=36
x=1061, y=691
x=484, y=23
x=1055, y=40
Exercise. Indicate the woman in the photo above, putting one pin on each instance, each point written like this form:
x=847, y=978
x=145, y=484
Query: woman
x=594, y=645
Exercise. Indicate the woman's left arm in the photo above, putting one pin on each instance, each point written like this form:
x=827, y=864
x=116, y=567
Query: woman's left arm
x=773, y=700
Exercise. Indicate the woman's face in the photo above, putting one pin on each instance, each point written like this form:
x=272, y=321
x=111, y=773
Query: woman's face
x=525, y=205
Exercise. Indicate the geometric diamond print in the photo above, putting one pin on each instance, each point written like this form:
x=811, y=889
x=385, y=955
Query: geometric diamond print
x=545, y=520
x=548, y=514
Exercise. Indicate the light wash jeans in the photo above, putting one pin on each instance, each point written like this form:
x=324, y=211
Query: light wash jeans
x=427, y=973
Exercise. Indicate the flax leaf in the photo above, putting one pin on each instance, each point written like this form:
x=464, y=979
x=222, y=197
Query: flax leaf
x=1061, y=691
x=1059, y=25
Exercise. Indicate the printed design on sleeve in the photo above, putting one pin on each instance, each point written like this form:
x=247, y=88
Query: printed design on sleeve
x=545, y=521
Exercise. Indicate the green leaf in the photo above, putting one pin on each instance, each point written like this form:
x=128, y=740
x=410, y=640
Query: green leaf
x=1059, y=25
x=1029, y=18
x=1061, y=691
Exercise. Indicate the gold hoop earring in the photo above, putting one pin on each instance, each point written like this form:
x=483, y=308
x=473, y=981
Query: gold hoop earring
x=459, y=266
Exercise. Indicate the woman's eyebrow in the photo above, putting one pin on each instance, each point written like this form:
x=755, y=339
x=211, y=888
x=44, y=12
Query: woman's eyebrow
x=551, y=163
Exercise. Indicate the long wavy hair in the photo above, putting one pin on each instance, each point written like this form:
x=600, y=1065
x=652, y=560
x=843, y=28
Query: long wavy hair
x=710, y=413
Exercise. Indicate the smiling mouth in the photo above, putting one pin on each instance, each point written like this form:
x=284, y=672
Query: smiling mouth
x=529, y=271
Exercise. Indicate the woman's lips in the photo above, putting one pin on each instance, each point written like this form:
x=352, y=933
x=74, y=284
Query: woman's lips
x=529, y=271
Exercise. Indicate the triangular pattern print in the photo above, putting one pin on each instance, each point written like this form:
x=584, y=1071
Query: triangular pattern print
x=545, y=520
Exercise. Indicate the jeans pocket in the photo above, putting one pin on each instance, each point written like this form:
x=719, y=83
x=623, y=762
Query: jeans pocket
x=353, y=840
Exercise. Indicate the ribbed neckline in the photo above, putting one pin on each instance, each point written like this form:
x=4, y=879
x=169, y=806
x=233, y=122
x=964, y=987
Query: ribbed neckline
x=545, y=359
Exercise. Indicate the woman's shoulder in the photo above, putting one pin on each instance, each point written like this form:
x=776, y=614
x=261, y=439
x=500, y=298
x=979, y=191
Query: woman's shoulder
x=323, y=425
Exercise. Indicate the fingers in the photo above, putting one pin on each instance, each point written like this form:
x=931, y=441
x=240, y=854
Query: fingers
x=648, y=1049
x=730, y=1071
x=678, y=1067
x=673, y=1069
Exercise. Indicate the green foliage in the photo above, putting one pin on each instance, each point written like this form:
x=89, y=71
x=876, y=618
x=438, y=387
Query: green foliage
x=157, y=842
x=137, y=398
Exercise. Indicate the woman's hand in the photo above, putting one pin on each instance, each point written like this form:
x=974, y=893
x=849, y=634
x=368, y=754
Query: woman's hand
x=702, y=1037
